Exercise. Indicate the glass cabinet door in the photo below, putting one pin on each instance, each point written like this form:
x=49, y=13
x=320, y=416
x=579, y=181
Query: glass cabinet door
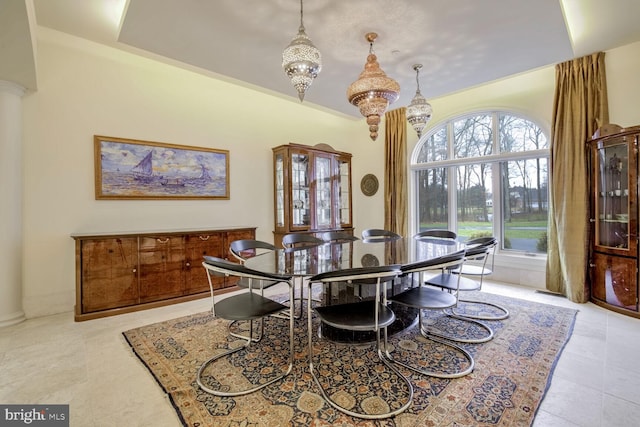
x=323, y=174
x=300, y=190
x=344, y=193
x=279, y=184
x=612, y=206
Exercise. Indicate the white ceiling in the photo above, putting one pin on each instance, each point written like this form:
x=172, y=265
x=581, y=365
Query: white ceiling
x=461, y=43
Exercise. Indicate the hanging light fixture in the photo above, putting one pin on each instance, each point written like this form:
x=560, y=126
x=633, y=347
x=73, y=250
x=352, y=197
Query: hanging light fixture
x=301, y=60
x=419, y=110
x=373, y=91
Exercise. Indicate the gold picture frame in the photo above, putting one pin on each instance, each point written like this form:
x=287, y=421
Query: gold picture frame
x=136, y=169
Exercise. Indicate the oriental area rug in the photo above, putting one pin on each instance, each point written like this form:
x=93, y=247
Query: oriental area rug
x=511, y=375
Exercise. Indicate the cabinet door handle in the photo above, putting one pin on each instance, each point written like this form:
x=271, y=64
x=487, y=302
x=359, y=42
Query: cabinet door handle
x=591, y=265
x=204, y=237
x=188, y=264
x=134, y=270
x=162, y=240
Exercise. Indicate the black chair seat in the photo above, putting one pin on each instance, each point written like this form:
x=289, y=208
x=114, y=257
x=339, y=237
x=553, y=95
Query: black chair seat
x=422, y=297
x=242, y=250
x=247, y=306
x=357, y=316
x=450, y=281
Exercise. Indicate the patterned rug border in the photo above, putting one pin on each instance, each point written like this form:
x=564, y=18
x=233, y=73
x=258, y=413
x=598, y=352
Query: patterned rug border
x=483, y=296
x=560, y=351
x=155, y=377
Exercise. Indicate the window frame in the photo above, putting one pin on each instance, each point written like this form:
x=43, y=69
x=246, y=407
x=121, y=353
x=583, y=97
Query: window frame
x=494, y=160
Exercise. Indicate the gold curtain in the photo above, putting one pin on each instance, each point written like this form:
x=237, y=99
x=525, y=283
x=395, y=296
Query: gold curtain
x=395, y=174
x=580, y=107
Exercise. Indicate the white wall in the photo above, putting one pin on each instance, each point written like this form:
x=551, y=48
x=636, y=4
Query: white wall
x=87, y=89
x=623, y=84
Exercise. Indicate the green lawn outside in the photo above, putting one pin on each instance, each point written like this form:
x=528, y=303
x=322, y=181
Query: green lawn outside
x=513, y=229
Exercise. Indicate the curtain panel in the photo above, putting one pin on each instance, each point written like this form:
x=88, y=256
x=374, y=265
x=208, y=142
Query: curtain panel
x=580, y=108
x=395, y=174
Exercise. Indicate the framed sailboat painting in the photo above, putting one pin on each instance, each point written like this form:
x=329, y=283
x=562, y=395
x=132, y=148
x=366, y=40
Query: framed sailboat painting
x=133, y=169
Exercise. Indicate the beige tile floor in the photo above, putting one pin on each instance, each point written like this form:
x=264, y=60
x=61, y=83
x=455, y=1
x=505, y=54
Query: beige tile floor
x=90, y=366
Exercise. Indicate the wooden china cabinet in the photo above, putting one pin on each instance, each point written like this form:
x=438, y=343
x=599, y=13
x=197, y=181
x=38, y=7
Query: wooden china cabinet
x=312, y=190
x=613, y=179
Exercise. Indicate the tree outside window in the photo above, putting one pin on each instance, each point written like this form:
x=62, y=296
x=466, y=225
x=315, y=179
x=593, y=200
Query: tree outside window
x=459, y=164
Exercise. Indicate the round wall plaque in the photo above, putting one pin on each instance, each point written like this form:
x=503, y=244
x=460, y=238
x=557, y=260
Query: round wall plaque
x=369, y=260
x=369, y=184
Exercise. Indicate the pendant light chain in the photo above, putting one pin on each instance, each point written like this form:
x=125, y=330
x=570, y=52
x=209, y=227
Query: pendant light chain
x=301, y=15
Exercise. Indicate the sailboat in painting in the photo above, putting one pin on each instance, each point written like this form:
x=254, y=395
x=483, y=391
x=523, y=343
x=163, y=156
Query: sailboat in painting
x=143, y=171
x=203, y=179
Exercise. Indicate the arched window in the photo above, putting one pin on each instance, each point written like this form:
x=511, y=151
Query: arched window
x=484, y=174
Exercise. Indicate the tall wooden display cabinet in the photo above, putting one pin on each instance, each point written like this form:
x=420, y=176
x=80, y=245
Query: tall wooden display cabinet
x=312, y=190
x=613, y=179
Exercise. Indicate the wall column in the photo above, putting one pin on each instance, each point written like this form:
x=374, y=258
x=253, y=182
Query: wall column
x=11, y=311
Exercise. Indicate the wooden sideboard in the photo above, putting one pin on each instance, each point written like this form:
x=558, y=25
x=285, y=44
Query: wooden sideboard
x=125, y=272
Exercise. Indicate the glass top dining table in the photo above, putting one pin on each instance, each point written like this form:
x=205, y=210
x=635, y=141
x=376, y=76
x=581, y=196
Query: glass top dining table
x=309, y=261
x=313, y=260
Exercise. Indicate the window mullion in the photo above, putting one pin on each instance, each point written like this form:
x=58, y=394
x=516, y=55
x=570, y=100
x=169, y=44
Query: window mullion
x=534, y=154
x=496, y=200
x=451, y=180
x=496, y=196
x=453, y=198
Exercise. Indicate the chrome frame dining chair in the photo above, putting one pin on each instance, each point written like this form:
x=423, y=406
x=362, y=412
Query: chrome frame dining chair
x=448, y=281
x=478, y=251
x=246, y=305
x=369, y=315
x=421, y=297
x=242, y=250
